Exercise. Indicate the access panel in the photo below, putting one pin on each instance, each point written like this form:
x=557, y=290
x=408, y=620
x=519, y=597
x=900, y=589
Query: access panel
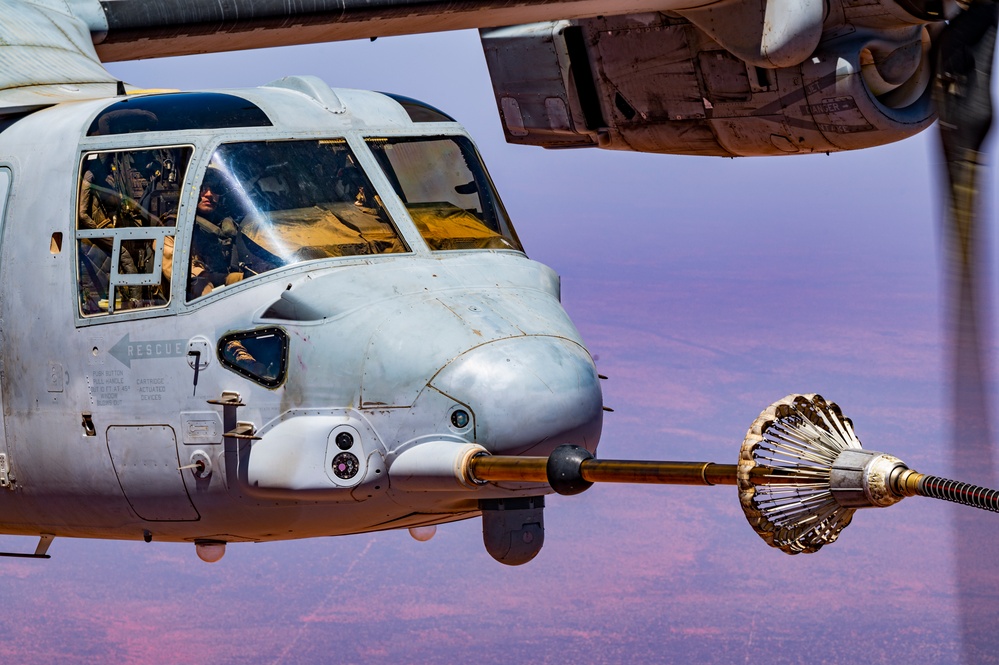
x=145, y=460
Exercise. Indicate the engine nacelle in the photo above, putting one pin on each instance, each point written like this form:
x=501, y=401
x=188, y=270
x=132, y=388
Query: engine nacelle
x=660, y=84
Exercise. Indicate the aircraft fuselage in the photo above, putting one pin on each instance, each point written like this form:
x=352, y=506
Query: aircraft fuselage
x=356, y=329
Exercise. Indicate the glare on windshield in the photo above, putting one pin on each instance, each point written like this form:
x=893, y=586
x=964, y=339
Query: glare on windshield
x=268, y=204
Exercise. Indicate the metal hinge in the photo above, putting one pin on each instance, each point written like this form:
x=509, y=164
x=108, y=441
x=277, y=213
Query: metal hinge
x=243, y=430
x=229, y=398
x=229, y=401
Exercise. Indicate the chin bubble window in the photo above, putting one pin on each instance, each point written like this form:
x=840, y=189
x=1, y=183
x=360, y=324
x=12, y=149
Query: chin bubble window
x=259, y=355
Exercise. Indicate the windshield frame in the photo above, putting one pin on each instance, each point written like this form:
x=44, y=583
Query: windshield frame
x=120, y=234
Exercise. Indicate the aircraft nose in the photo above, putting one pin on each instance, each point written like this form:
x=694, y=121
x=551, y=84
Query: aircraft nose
x=527, y=394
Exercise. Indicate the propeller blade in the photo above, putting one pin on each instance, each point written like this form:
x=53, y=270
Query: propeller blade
x=963, y=96
x=965, y=53
x=964, y=103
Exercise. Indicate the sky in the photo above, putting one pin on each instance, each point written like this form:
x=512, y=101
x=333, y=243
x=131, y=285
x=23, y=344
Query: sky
x=706, y=289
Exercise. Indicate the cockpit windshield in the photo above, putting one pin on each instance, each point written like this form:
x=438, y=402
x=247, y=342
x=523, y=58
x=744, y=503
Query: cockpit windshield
x=267, y=204
x=446, y=191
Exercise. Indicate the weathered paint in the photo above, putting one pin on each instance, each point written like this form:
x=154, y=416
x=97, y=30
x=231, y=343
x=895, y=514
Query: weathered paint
x=384, y=347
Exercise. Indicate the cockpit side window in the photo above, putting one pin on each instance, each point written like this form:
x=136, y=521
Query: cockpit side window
x=447, y=192
x=126, y=222
x=268, y=204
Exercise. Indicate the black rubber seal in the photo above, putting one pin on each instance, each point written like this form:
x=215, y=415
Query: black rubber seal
x=564, y=469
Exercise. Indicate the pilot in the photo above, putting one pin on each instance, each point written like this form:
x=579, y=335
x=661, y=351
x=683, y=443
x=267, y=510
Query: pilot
x=98, y=196
x=212, y=239
x=237, y=353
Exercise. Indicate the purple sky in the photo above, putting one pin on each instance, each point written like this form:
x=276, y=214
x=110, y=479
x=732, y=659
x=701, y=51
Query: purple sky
x=707, y=288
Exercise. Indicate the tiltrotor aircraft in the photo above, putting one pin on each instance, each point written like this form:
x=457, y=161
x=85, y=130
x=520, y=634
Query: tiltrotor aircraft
x=295, y=311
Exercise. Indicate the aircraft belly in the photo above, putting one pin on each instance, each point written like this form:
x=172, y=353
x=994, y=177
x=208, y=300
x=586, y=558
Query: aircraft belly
x=56, y=484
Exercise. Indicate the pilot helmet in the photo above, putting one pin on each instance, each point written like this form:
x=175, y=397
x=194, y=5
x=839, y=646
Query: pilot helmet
x=214, y=180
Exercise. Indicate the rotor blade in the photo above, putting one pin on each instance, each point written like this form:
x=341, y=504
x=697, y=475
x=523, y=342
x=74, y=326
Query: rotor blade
x=964, y=105
x=964, y=69
x=963, y=96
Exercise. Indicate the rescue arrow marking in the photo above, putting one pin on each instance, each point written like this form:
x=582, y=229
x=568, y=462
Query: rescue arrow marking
x=126, y=350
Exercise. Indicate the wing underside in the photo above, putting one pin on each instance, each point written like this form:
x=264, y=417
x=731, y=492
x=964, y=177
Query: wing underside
x=51, y=50
x=46, y=56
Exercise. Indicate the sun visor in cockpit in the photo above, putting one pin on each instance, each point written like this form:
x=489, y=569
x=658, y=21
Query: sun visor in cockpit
x=177, y=111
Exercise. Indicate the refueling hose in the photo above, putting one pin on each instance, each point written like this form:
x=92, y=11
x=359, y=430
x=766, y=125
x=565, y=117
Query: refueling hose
x=951, y=490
